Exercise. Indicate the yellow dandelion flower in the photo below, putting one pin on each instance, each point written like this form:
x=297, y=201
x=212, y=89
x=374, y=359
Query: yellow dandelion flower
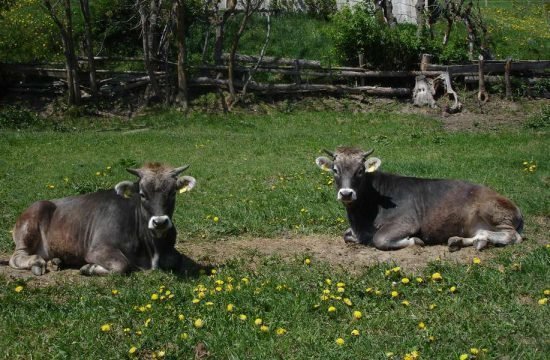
x=132, y=350
x=324, y=298
x=405, y=302
x=230, y=307
x=242, y=317
x=213, y=271
x=377, y=292
x=414, y=355
x=432, y=306
x=114, y=292
x=181, y=317
x=546, y=292
x=340, y=341
x=328, y=281
x=357, y=314
x=155, y=296
x=258, y=321
x=419, y=280
x=347, y=302
x=543, y=301
x=340, y=284
x=18, y=289
x=209, y=303
x=355, y=332
x=452, y=289
x=195, y=301
x=216, y=219
x=474, y=351
x=421, y=325
x=431, y=338
x=280, y=331
x=331, y=309
x=394, y=294
x=368, y=290
x=106, y=327
x=326, y=291
x=405, y=280
x=464, y=357
x=199, y=323
x=245, y=280
x=184, y=336
x=147, y=322
x=50, y=186
x=126, y=330
x=396, y=269
x=340, y=289
x=476, y=260
x=160, y=353
x=387, y=272
x=264, y=328
x=436, y=276
x=307, y=261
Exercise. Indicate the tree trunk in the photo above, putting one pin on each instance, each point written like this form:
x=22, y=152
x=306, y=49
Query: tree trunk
x=71, y=52
x=145, y=28
x=420, y=18
x=85, y=7
x=388, y=13
x=180, y=38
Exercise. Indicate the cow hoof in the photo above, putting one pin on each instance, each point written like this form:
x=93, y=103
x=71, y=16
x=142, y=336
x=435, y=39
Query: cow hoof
x=454, y=243
x=39, y=268
x=87, y=269
x=55, y=264
x=480, y=244
x=418, y=241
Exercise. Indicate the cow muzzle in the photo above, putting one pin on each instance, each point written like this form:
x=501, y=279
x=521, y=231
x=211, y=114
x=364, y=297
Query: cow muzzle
x=159, y=223
x=347, y=195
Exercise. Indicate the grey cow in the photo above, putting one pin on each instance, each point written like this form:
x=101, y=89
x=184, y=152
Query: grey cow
x=392, y=211
x=110, y=231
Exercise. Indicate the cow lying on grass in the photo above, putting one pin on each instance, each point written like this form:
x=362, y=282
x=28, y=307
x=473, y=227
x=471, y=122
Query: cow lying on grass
x=110, y=231
x=392, y=212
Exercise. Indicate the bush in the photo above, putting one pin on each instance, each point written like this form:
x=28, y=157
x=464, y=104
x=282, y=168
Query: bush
x=357, y=30
x=13, y=117
x=540, y=120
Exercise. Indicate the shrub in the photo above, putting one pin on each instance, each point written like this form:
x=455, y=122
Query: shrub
x=540, y=120
x=13, y=117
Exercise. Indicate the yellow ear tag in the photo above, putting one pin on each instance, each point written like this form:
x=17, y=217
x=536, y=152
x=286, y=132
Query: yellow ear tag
x=372, y=168
x=127, y=193
x=183, y=189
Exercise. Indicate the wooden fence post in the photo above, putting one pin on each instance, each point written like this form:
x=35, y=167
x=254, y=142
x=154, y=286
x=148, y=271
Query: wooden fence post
x=507, y=79
x=482, y=95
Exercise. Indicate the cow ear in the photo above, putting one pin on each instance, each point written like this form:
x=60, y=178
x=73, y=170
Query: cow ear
x=372, y=164
x=126, y=188
x=185, y=183
x=324, y=163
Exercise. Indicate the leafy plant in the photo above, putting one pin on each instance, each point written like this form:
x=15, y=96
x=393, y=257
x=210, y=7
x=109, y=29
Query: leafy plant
x=14, y=117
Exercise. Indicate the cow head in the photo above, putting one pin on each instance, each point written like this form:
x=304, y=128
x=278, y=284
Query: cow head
x=157, y=187
x=348, y=166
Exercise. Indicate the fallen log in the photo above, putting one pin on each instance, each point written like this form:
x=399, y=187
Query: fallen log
x=274, y=60
x=304, y=88
x=493, y=67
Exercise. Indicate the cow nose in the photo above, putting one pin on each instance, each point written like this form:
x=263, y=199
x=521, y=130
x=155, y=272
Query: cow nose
x=159, y=222
x=346, y=195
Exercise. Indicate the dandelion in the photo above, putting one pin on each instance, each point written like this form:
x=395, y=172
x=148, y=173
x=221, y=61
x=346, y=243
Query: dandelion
x=132, y=350
x=154, y=296
x=114, y=292
x=341, y=289
x=464, y=357
x=413, y=355
x=106, y=327
x=307, y=261
x=547, y=292
x=476, y=260
x=18, y=289
x=432, y=306
x=160, y=353
x=419, y=280
x=147, y=322
x=405, y=280
x=394, y=294
x=421, y=325
x=258, y=321
x=280, y=331
x=355, y=332
x=213, y=271
x=195, y=301
x=474, y=351
x=340, y=284
x=543, y=301
x=216, y=219
x=245, y=280
x=242, y=317
x=184, y=336
x=230, y=307
x=264, y=328
x=436, y=276
x=340, y=341
x=357, y=314
x=50, y=186
x=328, y=281
x=347, y=302
x=396, y=269
x=126, y=330
x=331, y=309
x=199, y=323
x=405, y=302
x=452, y=289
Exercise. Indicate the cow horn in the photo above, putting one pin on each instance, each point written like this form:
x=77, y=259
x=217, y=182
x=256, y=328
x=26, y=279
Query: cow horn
x=136, y=172
x=329, y=153
x=367, y=153
x=175, y=172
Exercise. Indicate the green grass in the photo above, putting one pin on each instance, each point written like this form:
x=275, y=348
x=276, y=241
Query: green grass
x=257, y=174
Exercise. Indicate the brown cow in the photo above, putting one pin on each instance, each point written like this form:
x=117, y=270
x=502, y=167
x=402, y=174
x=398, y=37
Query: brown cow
x=109, y=231
x=392, y=211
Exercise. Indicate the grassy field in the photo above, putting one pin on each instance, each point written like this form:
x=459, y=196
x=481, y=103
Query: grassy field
x=256, y=175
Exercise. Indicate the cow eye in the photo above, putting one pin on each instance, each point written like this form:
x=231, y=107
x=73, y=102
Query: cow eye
x=335, y=170
x=142, y=194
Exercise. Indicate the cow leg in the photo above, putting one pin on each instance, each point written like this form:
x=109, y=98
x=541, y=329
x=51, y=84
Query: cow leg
x=104, y=261
x=395, y=238
x=28, y=235
x=350, y=237
x=504, y=235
